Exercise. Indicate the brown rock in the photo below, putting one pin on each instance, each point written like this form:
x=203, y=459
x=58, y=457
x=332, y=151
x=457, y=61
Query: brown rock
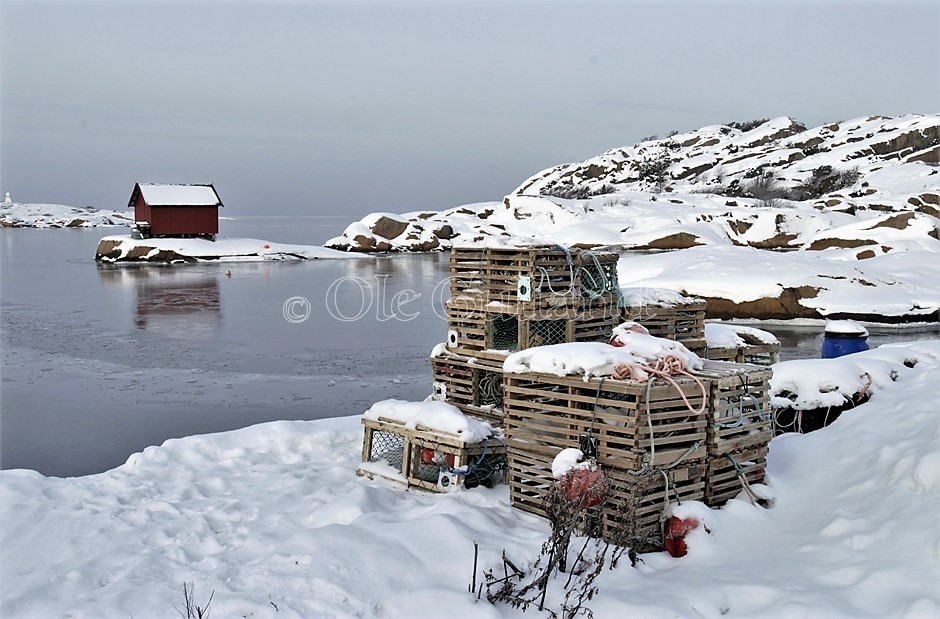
x=364, y=242
x=898, y=222
x=865, y=255
x=680, y=240
x=388, y=228
x=821, y=244
x=778, y=241
x=75, y=223
x=785, y=306
x=445, y=232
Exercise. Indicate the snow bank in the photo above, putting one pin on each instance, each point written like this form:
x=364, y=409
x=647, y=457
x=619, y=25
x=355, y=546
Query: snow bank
x=274, y=521
x=806, y=384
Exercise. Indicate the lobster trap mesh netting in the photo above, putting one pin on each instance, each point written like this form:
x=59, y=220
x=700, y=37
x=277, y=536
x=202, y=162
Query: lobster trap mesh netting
x=505, y=332
x=490, y=389
x=387, y=446
x=547, y=332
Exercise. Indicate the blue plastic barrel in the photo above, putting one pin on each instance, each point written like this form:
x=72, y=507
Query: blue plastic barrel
x=843, y=337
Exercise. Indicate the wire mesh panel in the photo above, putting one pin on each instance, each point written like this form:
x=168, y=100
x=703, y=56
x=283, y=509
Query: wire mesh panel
x=597, y=279
x=502, y=332
x=489, y=388
x=547, y=332
x=387, y=446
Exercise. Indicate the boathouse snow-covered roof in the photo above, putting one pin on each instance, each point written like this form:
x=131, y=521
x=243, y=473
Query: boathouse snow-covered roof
x=157, y=194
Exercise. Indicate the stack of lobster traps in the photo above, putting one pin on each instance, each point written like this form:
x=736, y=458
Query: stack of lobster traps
x=508, y=299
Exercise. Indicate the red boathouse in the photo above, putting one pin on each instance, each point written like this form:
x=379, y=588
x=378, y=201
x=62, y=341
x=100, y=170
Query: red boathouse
x=175, y=210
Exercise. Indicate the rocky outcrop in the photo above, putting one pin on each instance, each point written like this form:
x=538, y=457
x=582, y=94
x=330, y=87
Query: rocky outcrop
x=806, y=180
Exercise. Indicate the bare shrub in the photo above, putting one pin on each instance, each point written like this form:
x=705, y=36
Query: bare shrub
x=747, y=125
x=825, y=179
x=192, y=610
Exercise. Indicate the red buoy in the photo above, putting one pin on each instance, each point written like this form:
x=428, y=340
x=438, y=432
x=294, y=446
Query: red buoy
x=586, y=486
x=676, y=530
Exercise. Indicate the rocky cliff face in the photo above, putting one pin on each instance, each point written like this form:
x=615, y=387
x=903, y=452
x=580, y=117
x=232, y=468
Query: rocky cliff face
x=869, y=183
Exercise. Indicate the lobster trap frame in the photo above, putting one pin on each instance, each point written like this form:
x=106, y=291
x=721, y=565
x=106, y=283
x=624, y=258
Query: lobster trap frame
x=392, y=451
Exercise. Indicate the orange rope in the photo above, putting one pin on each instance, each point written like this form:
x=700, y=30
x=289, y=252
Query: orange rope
x=665, y=368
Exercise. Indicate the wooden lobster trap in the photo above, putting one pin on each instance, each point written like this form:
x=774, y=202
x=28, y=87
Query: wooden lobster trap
x=754, y=351
x=683, y=322
x=493, y=334
x=634, y=502
x=427, y=458
x=474, y=385
x=740, y=427
x=635, y=424
x=532, y=279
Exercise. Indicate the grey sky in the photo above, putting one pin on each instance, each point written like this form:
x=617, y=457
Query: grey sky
x=355, y=106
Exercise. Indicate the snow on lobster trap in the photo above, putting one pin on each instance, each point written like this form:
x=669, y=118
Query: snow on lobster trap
x=430, y=446
x=741, y=344
x=740, y=427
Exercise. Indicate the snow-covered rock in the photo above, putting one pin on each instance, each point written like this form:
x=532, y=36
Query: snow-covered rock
x=869, y=184
x=19, y=215
x=123, y=248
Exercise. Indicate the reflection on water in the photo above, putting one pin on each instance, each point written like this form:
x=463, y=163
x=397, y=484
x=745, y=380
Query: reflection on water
x=173, y=302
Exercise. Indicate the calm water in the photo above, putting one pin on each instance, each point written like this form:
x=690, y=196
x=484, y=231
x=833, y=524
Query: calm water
x=99, y=362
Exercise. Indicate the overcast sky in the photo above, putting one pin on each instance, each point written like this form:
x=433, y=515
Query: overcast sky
x=355, y=106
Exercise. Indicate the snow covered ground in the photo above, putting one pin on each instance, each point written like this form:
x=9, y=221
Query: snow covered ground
x=272, y=521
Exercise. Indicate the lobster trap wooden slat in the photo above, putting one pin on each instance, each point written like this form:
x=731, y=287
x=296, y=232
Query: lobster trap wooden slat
x=722, y=478
x=739, y=425
x=754, y=352
x=535, y=278
x=392, y=451
x=474, y=385
x=684, y=322
x=634, y=504
x=550, y=413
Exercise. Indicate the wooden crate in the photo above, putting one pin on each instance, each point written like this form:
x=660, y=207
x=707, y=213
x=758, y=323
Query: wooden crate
x=532, y=279
x=739, y=424
x=754, y=352
x=635, y=501
x=486, y=334
x=683, y=323
x=468, y=274
x=722, y=482
x=546, y=413
x=595, y=323
x=393, y=452
x=473, y=385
